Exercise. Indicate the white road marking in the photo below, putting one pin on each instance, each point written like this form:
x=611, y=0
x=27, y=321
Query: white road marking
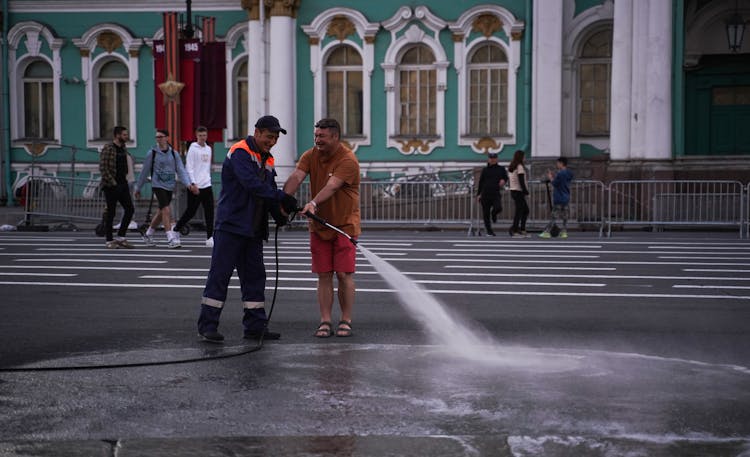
x=703, y=286
x=365, y=290
x=35, y=273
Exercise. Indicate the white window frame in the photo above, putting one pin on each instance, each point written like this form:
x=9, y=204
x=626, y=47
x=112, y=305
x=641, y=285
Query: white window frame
x=96, y=111
x=404, y=33
x=463, y=46
x=34, y=35
x=420, y=69
x=487, y=68
x=90, y=66
x=345, y=69
x=238, y=35
x=38, y=84
x=320, y=50
x=579, y=61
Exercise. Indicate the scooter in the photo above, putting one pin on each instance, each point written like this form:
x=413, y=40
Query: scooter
x=555, y=230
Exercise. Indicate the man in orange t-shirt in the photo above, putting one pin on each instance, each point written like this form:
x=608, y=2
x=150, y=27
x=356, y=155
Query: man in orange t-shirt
x=334, y=185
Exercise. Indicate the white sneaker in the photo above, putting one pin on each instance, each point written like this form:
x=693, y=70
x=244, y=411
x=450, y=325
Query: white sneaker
x=149, y=240
x=174, y=241
x=112, y=245
x=210, y=242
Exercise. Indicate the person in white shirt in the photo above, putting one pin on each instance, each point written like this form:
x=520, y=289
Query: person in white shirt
x=518, y=191
x=198, y=165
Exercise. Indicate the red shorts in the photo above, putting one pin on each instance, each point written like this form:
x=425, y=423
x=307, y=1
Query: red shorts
x=338, y=254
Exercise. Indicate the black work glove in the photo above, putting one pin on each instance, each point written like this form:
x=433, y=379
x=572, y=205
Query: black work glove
x=280, y=219
x=289, y=204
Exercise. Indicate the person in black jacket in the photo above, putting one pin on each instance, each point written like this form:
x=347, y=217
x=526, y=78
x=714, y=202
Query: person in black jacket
x=492, y=179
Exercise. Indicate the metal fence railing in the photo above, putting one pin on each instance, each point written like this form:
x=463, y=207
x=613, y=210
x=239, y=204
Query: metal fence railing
x=412, y=203
x=676, y=203
x=586, y=208
x=65, y=200
x=444, y=203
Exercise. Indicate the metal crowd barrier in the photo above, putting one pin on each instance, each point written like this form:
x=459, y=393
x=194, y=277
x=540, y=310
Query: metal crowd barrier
x=676, y=203
x=435, y=203
x=402, y=203
x=585, y=211
x=64, y=200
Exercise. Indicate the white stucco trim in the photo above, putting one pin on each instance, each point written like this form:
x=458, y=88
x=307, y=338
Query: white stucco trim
x=239, y=34
x=463, y=48
x=89, y=69
x=32, y=33
x=402, y=37
x=575, y=32
x=366, y=31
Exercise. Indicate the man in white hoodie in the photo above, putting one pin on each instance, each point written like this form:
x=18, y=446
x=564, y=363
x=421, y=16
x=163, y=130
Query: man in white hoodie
x=198, y=165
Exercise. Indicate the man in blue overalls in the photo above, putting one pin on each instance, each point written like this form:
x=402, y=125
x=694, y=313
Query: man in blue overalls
x=248, y=195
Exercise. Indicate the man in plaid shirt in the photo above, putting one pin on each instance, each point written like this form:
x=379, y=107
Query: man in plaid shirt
x=115, y=164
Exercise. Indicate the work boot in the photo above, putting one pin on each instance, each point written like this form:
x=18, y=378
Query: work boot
x=208, y=324
x=212, y=337
x=254, y=320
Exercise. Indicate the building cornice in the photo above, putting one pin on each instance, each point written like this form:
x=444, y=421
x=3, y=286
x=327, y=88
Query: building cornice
x=87, y=6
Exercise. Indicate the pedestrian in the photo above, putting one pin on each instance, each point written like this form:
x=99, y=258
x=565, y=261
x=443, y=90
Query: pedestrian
x=560, y=197
x=162, y=164
x=198, y=166
x=115, y=165
x=492, y=179
x=334, y=186
x=248, y=194
x=518, y=191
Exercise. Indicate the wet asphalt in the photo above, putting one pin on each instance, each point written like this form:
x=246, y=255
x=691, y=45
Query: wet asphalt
x=632, y=345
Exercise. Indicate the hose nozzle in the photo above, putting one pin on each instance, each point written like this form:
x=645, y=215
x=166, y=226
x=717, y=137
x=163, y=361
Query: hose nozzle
x=320, y=220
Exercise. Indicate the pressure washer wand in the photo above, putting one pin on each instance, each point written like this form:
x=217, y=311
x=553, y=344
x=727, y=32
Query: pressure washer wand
x=320, y=220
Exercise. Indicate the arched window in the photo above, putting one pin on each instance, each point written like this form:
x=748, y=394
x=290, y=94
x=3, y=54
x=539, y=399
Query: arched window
x=344, y=89
x=594, y=79
x=38, y=92
x=417, y=92
x=113, y=98
x=240, y=100
x=488, y=91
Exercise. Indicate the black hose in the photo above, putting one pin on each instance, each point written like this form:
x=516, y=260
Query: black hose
x=258, y=347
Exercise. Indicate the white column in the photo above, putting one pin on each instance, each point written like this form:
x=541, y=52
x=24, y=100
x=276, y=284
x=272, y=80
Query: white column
x=658, y=100
x=640, y=75
x=282, y=91
x=546, y=110
x=622, y=51
x=256, y=69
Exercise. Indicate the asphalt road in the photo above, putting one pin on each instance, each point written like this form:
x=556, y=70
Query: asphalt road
x=637, y=344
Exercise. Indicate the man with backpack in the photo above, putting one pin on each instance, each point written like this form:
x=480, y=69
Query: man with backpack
x=163, y=165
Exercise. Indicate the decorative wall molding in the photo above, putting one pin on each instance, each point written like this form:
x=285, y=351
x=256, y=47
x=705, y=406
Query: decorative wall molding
x=346, y=25
x=407, y=28
x=489, y=21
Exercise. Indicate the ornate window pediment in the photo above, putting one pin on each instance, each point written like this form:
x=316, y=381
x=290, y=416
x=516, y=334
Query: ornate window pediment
x=487, y=83
x=342, y=53
x=35, y=69
x=415, y=68
x=109, y=100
